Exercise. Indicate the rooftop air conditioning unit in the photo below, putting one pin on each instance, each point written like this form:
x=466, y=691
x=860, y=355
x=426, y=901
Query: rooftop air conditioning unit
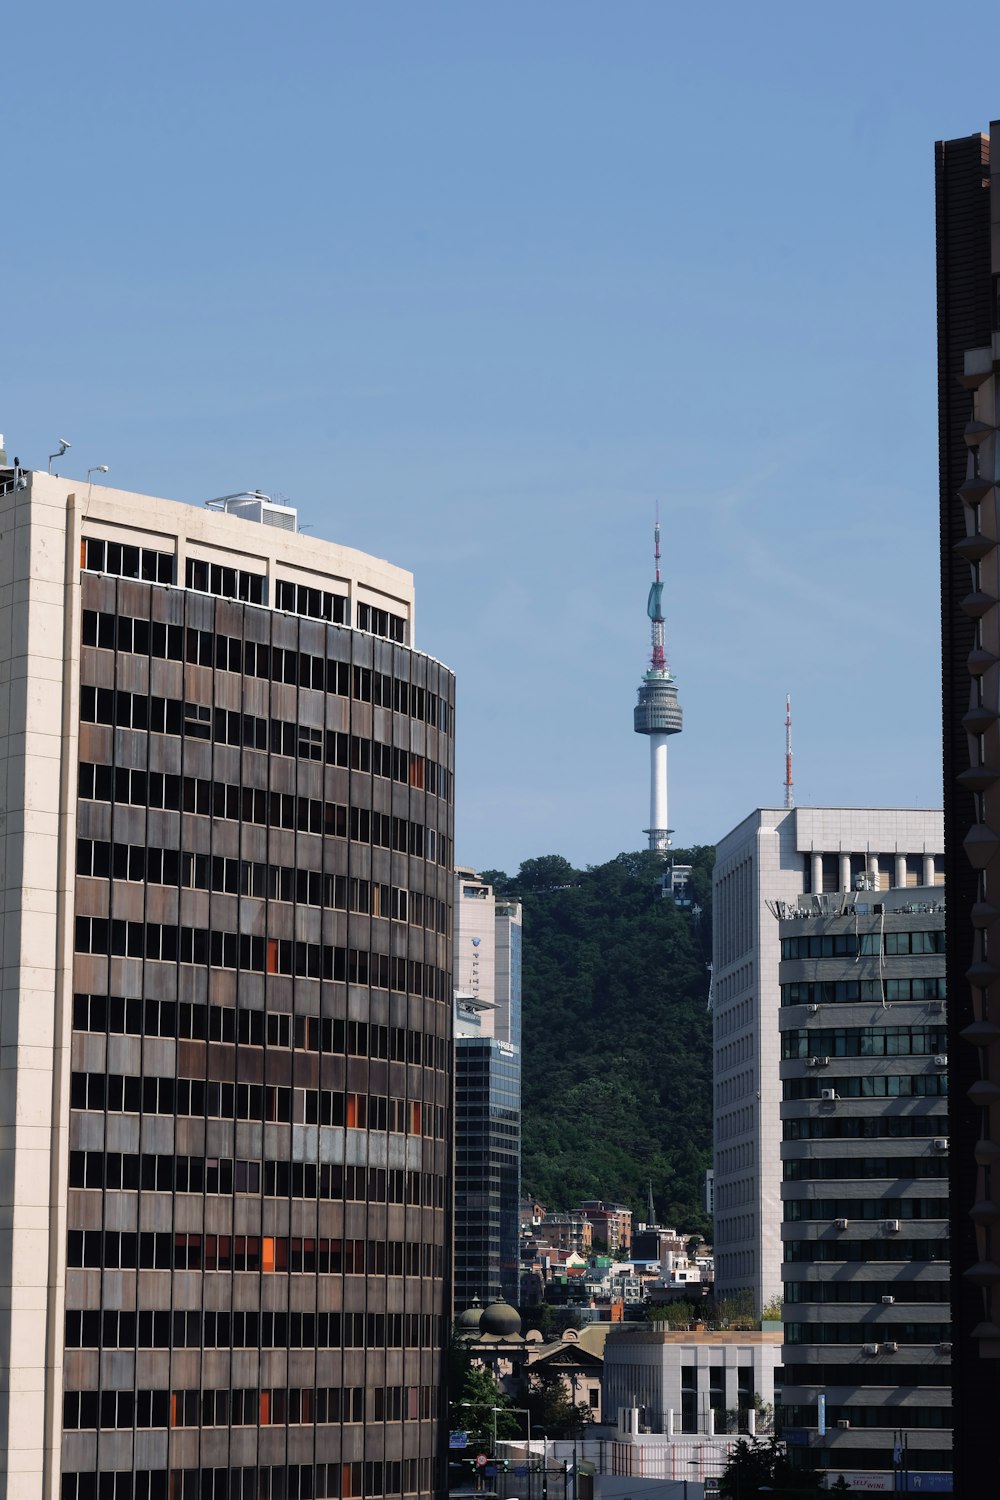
x=890, y=1348
x=941, y=1061
x=828, y=1095
x=939, y=1143
x=891, y=1226
x=888, y=1301
x=251, y=505
x=869, y=1349
x=841, y=1223
x=843, y=1422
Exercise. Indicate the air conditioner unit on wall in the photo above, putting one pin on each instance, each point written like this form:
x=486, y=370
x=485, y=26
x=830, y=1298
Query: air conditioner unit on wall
x=841, y=1223
x=869, y=1349
x=939, y=1143
x=941, y=1061
x=891, y=1226
x=888, y=1301
x=890, y=1348
x=843, y=1422
x=828, y=1095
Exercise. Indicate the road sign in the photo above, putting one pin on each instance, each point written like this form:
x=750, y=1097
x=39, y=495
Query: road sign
x=458, y=1440
x=481, y=1460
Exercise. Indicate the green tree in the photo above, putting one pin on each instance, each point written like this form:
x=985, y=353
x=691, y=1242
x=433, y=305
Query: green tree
x=756, y=1468
x=551, y=1407
x=473, y=1394
x=670, y=1314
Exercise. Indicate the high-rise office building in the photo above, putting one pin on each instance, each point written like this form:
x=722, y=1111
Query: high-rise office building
x=778, y=855
x=864, y=1150
x=968, y=268
x=225, y=1006
x=487, y=1093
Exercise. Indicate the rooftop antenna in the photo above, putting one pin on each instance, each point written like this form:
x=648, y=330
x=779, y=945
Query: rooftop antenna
x=789, y=793
x=64, y=443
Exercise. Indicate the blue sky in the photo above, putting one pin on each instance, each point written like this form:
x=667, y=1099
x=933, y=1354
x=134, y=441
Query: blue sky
x=476, y=286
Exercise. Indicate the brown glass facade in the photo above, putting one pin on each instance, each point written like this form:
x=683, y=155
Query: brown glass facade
x=260, y=1075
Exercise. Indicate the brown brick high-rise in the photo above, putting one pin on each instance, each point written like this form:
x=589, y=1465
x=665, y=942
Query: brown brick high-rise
x=225, y=1007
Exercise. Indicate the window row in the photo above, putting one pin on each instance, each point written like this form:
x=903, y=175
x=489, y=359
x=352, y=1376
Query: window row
x=205, y=648
x=284, y=737
x=268, y=1254
x=97, y=556
x=127, y=1094
x=866, y=1291
x=887, y=1209
x=165, y=943
x=865, y=1250
x=863, y=944
x=836, y=991
x=268, y=809
x=877, y=1127
x=382, y=622
x=253, y=1330
x=335, y=1481
x=864, y=1041
x=327, y=1181
x=877, y=1372
x=104, y=860
x=877, y=1086
x=892, y=1416
x=299, y=1405
x=816, y=1169
x=299, y=599
x=863, y=1333
x=224, y=582
x=257, y=1028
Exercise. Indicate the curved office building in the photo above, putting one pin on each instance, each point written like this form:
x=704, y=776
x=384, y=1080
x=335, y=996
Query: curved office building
x=225, y=1007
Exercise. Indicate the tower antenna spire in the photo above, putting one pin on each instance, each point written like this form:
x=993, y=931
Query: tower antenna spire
x=789, y=791
x=657, y=714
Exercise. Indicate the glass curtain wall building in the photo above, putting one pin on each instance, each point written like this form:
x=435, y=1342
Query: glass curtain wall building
x=226, y=1007
x=487, y=1093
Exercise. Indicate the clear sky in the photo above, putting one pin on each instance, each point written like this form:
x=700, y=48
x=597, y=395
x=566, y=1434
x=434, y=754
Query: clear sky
x=476, y=286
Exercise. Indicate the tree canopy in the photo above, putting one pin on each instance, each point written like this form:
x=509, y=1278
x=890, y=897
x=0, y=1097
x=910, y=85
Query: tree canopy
x=617, y=1062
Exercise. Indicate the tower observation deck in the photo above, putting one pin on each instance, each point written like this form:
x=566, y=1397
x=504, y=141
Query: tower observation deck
x=658, y=713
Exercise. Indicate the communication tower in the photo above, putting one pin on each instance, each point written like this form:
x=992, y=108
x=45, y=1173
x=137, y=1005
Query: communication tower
x=657, y=713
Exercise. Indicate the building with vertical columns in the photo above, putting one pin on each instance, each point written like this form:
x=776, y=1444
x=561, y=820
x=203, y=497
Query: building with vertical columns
x=225, y=1007
x=864, y=1150
x=778, y=855
x=968, y=267
x=487, y=1093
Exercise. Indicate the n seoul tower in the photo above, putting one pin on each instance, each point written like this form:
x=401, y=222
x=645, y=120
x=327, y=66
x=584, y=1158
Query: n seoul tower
x=658, y=714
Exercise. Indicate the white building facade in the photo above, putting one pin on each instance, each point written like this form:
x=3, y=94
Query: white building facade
x=777, y=855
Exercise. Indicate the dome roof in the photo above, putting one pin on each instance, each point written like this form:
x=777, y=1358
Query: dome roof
x=501, y=1320
x=469, y=1321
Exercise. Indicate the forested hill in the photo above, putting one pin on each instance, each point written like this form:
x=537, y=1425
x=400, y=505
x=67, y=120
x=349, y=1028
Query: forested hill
x=617, y=1062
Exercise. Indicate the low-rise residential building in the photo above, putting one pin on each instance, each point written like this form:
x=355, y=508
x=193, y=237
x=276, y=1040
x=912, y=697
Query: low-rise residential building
x=612, y=1224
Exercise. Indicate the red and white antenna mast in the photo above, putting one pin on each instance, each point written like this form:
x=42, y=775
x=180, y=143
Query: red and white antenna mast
x=789, y=794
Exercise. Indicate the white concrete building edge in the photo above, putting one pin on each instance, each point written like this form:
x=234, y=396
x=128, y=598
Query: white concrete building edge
x=777, y=854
